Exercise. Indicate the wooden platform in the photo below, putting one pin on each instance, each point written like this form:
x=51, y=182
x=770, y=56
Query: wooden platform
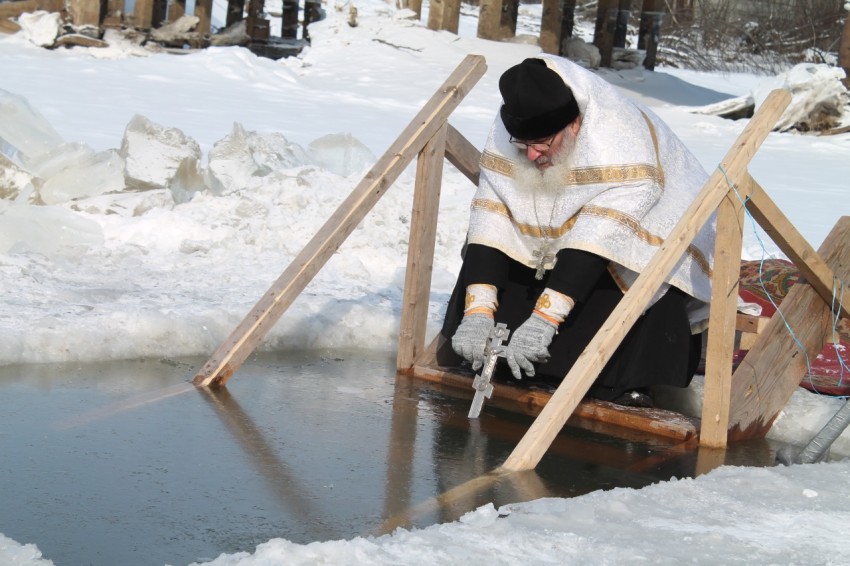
x=530, y=400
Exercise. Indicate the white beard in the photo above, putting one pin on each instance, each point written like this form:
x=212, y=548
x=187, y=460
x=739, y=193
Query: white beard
x=529, y=178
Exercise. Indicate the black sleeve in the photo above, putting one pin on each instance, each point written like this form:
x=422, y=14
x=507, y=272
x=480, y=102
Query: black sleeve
x=576, y=273
x=483, y=264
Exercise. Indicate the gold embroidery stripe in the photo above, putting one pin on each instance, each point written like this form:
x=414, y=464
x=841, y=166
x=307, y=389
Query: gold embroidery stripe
x=585, y=175
x=643, y=234
x=616, y=174
x=654, y=136
x=496, y=163
x=525, y=229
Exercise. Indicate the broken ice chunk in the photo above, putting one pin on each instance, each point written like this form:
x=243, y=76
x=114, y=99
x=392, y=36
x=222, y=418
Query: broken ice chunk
x=153, y=153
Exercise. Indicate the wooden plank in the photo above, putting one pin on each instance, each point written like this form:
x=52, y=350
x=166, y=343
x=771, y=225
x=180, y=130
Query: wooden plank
x=767, y=377
x=776, y=225
x=531, y=449
x=722, y=320
x=463, y=155
x=750, y=323
x=242, y=341
x=420, y=249
x=658, y=422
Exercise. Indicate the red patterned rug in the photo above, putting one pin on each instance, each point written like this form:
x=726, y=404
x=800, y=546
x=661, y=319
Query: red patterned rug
x=767, y=283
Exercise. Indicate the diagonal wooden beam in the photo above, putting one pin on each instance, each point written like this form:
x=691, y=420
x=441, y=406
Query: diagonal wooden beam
x=810, y=263
x=244, y=339
x=578, y=380
x=463, y=155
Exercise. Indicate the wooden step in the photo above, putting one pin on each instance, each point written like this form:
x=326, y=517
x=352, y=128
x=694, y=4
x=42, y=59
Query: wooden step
x=530, y=401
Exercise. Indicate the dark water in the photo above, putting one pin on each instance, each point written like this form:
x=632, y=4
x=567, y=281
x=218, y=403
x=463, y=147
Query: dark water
x=128, y=463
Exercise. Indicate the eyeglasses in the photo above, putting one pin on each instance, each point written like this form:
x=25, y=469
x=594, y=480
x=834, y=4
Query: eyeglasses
x=539, y=147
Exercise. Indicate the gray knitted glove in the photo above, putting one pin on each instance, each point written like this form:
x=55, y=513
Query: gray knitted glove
x=529, y=345
x=471, y=336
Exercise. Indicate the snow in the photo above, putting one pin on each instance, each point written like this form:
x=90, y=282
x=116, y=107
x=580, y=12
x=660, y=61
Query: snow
x=234, y=163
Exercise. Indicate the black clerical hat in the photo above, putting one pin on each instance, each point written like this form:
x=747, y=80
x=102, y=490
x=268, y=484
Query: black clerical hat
x=537, y=103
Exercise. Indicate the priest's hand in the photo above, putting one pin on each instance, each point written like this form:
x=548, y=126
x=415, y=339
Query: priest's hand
x=530, y=345
x=471, y=338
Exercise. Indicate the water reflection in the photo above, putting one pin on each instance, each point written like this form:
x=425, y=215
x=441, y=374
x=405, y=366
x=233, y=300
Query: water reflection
x=127, y=463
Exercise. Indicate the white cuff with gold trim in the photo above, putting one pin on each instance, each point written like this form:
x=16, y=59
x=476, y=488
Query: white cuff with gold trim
x=553, y=306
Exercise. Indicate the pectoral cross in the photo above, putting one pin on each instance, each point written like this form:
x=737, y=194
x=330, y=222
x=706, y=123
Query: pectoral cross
x=543, y=255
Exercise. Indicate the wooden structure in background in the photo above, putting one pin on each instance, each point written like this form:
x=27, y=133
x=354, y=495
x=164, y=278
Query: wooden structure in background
x=497, y=20
x=444, y=15
x=147, y=15
x=739, y=407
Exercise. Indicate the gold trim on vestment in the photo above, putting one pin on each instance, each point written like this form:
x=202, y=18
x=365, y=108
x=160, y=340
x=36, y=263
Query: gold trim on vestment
x=525, y=229
x=590, y=210
x=641, y=232
x=496, y=163
x=584, y=175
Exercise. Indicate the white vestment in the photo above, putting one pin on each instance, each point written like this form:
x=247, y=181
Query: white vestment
x=630, y=182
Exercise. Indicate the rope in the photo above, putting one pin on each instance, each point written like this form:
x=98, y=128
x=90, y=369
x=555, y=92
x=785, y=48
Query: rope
x=837, y=287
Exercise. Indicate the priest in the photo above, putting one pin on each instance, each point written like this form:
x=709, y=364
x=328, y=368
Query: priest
x=579, y=187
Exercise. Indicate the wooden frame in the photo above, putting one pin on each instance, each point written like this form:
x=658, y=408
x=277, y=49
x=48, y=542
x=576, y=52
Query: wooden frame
x=730, y=402
x=417, y=138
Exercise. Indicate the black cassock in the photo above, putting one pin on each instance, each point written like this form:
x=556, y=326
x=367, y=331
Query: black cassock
x=658, y=350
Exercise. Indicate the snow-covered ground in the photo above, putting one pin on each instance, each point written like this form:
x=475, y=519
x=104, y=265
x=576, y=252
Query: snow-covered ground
x=161, y=263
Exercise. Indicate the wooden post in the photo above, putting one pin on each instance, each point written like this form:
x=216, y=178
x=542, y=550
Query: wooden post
x=568, y=19
x=444, y=15
x=143, y=13
x=312, y=13
x=649, y=32
x=176, y=10
x=497, y=19
x=235, y=12
x=244, y=339
x=771, y=372
x=621, y=25
x=289, y=19
x=85, y=12
x=203, y=11
x=114, y=16
x=575, y=384
x=416, y=6
x=722, y=319
x=420, y=250
x=160, y=13
x=550, y=26
x=256, y=26
x=844, y=50
x=603, y=36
